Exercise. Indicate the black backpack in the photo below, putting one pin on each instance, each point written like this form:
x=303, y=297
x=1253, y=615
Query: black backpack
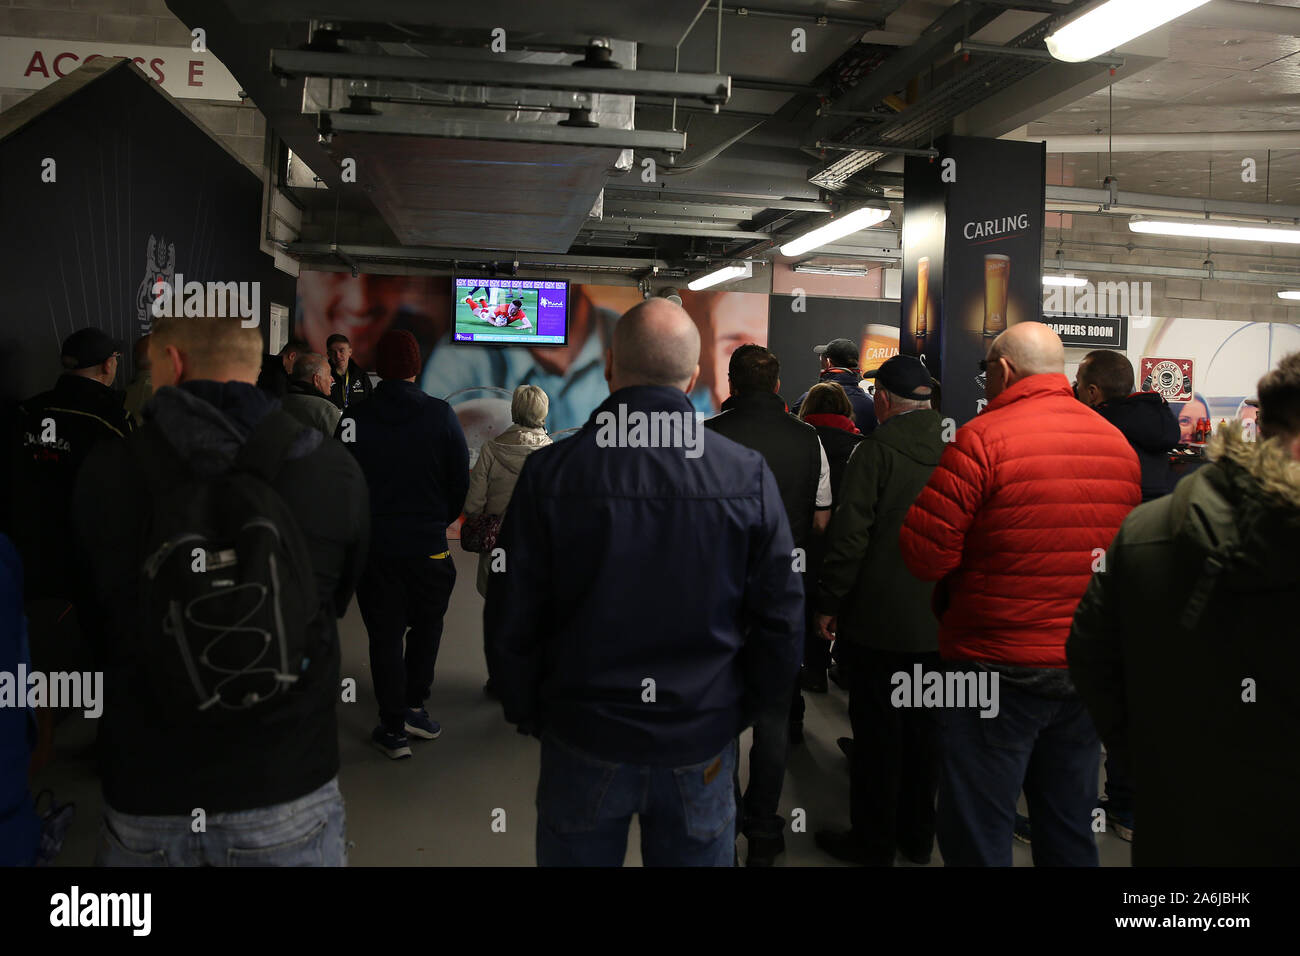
x=228, y=598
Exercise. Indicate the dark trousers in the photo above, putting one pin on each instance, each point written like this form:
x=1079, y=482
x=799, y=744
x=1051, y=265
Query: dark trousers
x=894, y=772
x=1119, y=788
x=767, y=758
x=394, y=594
x=585, y=807
x=1050, y=749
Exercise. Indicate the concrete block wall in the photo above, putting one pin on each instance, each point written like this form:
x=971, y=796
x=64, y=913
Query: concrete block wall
x=1107, y=239
x=148, y=23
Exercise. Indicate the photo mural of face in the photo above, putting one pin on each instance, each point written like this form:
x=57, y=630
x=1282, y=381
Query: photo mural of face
x=478, y=380
x=365, y=307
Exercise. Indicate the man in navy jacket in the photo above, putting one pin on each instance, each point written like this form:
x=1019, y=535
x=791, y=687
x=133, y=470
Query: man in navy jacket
x=412, y=449
x=646, y=606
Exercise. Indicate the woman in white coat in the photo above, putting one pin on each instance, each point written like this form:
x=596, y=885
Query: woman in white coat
x=492, y=480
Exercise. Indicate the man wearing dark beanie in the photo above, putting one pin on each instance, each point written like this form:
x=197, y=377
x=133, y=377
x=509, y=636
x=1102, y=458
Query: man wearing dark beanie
x=412, y=450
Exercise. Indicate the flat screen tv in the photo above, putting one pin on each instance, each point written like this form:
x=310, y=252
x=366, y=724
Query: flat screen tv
x=527, y=312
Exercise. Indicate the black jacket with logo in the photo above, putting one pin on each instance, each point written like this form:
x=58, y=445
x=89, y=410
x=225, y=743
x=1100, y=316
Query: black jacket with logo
x=758, y=420
x=351, y=387
x=54, y=433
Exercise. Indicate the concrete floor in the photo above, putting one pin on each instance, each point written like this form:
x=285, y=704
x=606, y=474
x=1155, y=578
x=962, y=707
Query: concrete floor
x=438, y=808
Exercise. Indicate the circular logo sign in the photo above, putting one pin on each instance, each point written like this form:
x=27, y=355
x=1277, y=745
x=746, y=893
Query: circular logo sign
x=1168, y=379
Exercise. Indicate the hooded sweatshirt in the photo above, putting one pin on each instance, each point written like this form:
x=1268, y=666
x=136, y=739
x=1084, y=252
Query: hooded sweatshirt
x=1185, y=650
x=1151, y=427
x=412, y=449
x=153, y=763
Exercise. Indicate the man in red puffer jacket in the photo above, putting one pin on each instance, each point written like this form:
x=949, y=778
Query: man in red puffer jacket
x=1012, y=524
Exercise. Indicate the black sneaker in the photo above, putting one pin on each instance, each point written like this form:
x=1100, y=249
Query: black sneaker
x=846, y=746
x=844, y=846
x=915, y=858
x=764, y=850
x=813, y=680
x=1021, y=830
x=392, y=744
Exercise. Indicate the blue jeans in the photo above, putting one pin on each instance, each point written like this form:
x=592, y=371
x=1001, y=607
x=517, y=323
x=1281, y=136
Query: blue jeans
x=303, y=832
x=1048, y=748
x=585, y=806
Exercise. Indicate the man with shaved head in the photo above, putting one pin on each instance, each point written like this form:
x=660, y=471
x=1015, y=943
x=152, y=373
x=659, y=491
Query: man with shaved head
x=644, y=608
x=1012, y=524
x=262, y=762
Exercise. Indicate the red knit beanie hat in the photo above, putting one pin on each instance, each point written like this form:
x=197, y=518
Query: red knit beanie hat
x=398, y=355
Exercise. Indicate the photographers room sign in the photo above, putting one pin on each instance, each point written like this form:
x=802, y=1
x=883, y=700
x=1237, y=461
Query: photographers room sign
x=30, y=63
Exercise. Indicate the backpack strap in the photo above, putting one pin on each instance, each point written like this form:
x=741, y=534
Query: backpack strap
x=265, y=450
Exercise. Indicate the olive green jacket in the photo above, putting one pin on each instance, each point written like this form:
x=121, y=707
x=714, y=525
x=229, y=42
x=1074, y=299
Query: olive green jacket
x=864, y=582
x=1186, y=647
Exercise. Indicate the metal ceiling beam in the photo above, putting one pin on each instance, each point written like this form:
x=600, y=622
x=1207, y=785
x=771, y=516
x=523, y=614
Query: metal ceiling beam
x=655, y=229
x=805, y=16
x=710, y=87
x=961, y=19
x=884, y=148
x=456, y=128
x=1101, y=197
x=671, y=209
x=436, y=254
x=657, y=194
x=1029, y=53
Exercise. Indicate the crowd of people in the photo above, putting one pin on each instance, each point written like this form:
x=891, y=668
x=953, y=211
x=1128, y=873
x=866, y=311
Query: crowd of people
x=1000, y=600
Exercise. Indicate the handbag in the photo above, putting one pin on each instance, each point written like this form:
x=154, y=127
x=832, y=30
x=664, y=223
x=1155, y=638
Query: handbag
x=479, y=532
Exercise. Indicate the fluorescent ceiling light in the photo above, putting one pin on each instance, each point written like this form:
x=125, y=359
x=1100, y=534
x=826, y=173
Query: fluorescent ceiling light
x=1215, y=229
x=725, y=274
x=831, y=270
x=1064, y=280
x=1112, y=25
x=1288, y=295
x=845, y=225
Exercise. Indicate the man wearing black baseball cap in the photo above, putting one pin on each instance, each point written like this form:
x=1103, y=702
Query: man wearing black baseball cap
x=880, y=618
x=56, y=431
x=839, y=360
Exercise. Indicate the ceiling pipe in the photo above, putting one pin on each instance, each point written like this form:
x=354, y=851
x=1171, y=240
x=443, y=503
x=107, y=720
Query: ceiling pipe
x=1164, y=142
